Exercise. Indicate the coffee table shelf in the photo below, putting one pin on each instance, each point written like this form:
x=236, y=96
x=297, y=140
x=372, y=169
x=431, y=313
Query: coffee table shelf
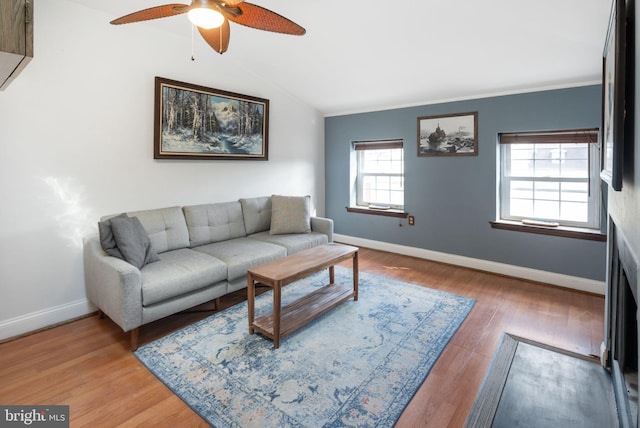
x=305, y=309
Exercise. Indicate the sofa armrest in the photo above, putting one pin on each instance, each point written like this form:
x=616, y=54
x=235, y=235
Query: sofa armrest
x=323, y=225
x=113, y=285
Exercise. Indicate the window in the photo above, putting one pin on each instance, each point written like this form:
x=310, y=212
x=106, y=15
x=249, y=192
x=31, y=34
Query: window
x=379, y=174
x=550, y=176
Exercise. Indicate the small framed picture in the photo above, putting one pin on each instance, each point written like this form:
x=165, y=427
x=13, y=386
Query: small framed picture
x=448, y=135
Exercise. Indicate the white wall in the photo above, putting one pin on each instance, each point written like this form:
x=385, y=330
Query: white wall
x=76, y=142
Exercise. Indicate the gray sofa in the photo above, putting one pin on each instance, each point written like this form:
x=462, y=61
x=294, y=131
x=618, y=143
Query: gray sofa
x=194, y=254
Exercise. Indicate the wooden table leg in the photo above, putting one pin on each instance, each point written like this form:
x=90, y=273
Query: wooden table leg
x=355, y=276
x=277, y=288
x=332, y=274
x=251, y=296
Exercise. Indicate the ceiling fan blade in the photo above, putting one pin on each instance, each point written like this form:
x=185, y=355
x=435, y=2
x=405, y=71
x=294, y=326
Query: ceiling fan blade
x=151, y=13
x=217, y=38
x=263, y=19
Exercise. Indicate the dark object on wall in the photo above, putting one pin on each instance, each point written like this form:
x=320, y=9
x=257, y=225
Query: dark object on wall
x=613, y=97
x=212, y=19
x=16, y=38
x=195, y=122
x=448, y=135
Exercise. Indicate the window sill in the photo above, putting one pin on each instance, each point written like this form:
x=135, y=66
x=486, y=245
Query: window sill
x=386, y=213
x=563, y=231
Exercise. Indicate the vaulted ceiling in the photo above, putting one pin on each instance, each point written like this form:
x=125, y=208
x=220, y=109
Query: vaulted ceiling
x=363, y=55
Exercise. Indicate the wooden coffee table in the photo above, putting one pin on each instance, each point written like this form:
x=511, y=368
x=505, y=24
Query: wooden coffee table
x=279, y=273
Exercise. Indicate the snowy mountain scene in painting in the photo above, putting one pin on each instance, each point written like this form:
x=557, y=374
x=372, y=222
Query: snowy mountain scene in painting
x=200, y=123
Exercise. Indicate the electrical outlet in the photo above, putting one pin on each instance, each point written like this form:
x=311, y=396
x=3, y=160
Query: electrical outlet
x=412, y=220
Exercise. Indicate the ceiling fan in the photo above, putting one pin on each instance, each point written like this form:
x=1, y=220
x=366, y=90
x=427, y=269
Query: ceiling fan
x=212, y=19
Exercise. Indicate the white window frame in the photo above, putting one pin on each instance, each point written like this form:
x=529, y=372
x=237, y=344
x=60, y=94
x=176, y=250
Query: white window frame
x=360, y=147
x=589, y=136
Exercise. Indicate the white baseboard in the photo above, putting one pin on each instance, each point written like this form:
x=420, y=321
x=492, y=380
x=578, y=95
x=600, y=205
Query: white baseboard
x=561, y=280
x=44, y=318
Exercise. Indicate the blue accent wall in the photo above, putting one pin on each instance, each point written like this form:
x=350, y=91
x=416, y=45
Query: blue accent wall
x=453, y=198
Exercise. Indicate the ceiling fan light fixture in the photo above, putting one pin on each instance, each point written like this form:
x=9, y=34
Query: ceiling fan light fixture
x=205, y=18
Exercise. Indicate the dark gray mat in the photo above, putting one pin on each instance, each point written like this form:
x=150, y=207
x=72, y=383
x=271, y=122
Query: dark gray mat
x=532, y=385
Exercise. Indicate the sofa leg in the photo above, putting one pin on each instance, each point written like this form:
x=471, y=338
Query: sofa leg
x=134, y=338
x=217, y=303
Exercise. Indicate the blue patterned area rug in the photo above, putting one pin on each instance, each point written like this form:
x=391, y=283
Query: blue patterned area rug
x=358, y=365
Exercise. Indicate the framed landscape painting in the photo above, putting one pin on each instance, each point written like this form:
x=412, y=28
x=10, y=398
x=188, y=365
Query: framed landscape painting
x=448, y=135
x=195, y=122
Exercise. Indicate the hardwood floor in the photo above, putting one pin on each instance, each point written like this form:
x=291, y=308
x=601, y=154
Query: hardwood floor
x=87, y=364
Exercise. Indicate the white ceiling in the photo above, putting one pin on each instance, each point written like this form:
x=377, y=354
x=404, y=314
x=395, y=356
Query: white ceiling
x=364, y=55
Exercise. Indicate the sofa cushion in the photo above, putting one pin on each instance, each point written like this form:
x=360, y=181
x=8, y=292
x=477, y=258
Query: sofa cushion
x=241, y=254
x=290, y=214
x=165, y=227
x=293, y=242
x=107, y=241
x=214, y=222
x=132, y=241
x=256, y=213
x=179, y=272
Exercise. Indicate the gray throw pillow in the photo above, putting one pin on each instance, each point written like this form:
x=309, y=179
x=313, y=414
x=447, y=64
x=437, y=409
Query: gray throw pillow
x=290, y=214
x=107, y=241
x=133, y=242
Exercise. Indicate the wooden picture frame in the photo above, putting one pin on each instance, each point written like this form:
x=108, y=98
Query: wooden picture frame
x=448, y=135
x=613, y=97
x=196, y=122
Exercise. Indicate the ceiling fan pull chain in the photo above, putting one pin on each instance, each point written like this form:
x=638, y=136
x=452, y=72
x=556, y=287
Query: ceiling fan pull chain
x=193, y=56
x=221, y=42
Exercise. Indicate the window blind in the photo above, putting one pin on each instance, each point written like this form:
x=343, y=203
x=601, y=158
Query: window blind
x=579, y=136
x=377, y=145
